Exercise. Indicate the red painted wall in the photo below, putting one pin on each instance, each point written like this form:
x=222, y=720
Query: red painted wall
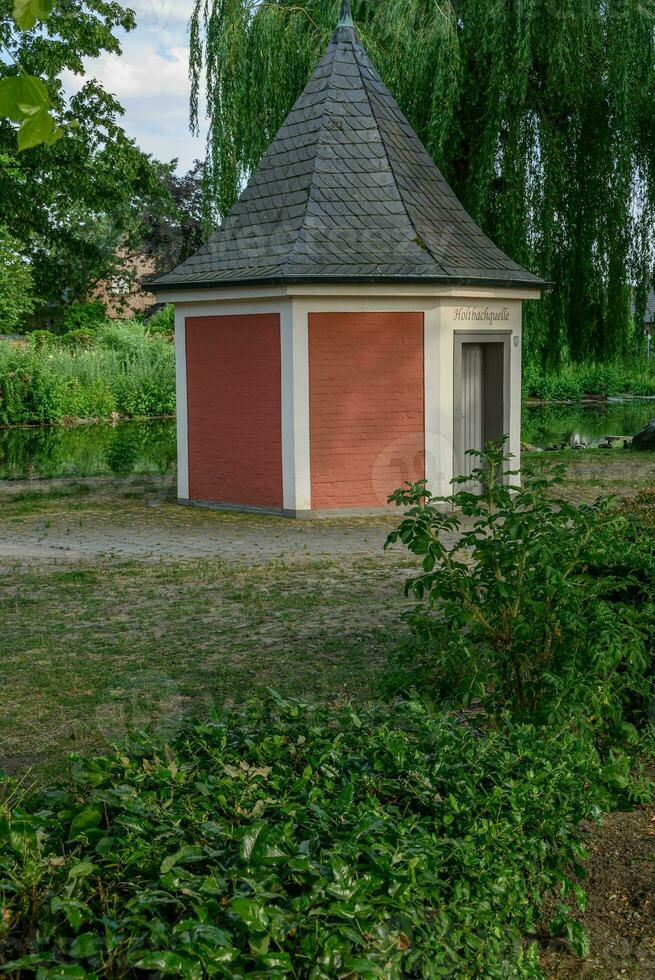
x=234, y=405
x=367, y=419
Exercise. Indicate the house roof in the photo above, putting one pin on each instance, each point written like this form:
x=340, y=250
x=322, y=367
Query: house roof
x=649, y=316
x=347, y=193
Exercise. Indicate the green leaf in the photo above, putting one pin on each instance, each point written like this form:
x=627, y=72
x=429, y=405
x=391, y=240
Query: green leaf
x=24, y=99
x=87, y=819
x=27, y=12
x=251, y=913
x=72, y=909
x=171, y=963
x=253, y=841
x=184, y=853
x=280, y=961
x=30, y=961
x=69, y=970
x=82, y=870
x=22, y=96
x=39, y=128
x=86, y=945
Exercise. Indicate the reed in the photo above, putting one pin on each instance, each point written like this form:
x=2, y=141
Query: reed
x=573, y=381
x=123, y=371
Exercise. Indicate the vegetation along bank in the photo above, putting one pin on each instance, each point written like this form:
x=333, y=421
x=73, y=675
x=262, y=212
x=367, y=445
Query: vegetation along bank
x=101, y=369
x=572, y=382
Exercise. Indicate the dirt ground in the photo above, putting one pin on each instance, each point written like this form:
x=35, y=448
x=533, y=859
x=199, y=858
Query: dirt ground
x=148, y=523
x=620, y=914
x=101, y=518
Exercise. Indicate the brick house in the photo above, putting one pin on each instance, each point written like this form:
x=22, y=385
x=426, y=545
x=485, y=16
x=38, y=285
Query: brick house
x=125, y=294
x=349, y=327
x=649, y=316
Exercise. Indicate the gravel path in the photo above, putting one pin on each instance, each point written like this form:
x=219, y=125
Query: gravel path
x=147, y=524
x=253, y=541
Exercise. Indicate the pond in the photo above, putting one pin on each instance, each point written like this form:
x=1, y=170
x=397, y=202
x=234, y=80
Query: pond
x=111, y=449
x=548, y=425
x=124, y=448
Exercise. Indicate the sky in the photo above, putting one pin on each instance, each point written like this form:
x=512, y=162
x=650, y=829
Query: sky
x=150, y=80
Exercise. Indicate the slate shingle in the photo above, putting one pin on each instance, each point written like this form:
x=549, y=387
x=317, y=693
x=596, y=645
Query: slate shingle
x=347, y=192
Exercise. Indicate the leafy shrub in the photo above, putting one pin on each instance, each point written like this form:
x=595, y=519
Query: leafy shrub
x=573, y=381
x=163, y=321
x=84, y=316
x=78, y=338
x=41, y=338
x=16, y=285
x=641, y=508
x=123, y=371
x=527, y=610
x=302, y=842
x=126, y=336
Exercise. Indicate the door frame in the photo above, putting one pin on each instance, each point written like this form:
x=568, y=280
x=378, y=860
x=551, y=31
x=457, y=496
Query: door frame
x=462, y=337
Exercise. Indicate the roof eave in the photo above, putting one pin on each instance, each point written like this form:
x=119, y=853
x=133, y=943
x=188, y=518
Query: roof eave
x=495, y=282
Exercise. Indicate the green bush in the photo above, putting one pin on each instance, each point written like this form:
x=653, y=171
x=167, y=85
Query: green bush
x=125, y=336
x=84, y=316
x=78, y=338
x=641, y=509
x=119, y=369
x=534, y=608
x=41, y=338
x=163, y=321
x=303, y=842
x=574, y=381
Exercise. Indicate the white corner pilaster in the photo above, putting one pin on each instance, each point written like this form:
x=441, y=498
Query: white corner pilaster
x=296, y=476
x=516, y=383
x=182, y=404
x=438, y=360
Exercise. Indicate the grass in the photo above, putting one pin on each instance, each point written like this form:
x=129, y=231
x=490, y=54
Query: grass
x=593, y=472
x=91, y=652
x=92, y=649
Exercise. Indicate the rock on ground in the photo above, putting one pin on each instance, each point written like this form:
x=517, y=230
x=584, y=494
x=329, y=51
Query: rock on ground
x=646, y=438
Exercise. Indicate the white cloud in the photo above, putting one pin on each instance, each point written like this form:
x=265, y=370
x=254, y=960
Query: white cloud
x=150, y=80
x=141, y=73
x=162, y=15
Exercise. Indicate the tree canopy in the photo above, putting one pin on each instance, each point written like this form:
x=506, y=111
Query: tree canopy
x=16, y=287
x=75, y=205
x=171, y=235
x=539, y=113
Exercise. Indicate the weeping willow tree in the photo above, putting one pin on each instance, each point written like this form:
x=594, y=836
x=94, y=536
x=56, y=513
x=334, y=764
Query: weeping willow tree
x=541, y=114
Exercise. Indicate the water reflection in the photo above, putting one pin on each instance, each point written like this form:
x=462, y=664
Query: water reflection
x=548, y=425
x=106, y=449
x=123, y=448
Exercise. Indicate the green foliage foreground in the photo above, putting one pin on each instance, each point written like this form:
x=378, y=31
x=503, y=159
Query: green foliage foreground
x=540, y=607
x=285, y=840
x=88, y=373
x=306, y=842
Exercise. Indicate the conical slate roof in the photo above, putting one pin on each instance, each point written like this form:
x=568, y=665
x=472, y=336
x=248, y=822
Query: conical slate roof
x=347, y=193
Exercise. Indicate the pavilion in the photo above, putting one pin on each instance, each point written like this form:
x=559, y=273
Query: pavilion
x=349, y=327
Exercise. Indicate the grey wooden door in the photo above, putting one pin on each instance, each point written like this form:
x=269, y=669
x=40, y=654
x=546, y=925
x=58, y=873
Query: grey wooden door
x=472, y=405
x=480, y=402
